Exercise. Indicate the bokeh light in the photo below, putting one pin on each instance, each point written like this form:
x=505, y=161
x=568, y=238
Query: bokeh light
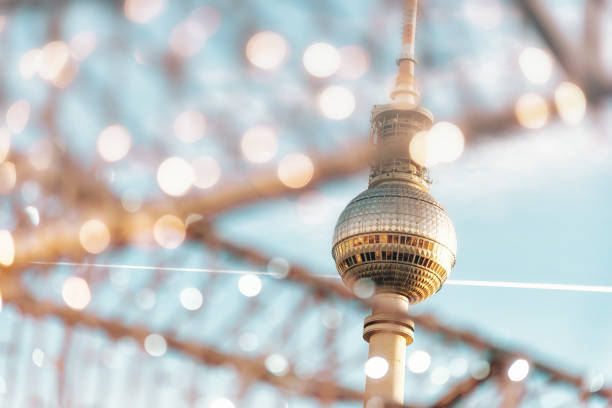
x=248, y=341
x=295, y=170
x=279, y=267
x=169, y=231
x=536, y=65
x=518, y=370
x=336, y=102
x=54, y=58
x=155, y=345
x=447, y=141
x=5, y=143
x=40, y=154
x=222, y=403
x=8, y=177
x=531, y=111
x=190, y=126
x=376, y=367
x=206, y=172
x=439, y=375
x=249, y=285
x=114, y=143
x=94, y=236
x=38, y=357
x=419, y=361
x=7, y=248
x=364, y=288
x=191, y=298
x=480, y=369
x=76, y=293
x=354, y=62
x=82, y=45
x=267, y=50
x=188, y=38
x=17, y=116
x=422, y=149
x=29, y=63
x=277, y=364
x=143, y=11
x=321, y=60
x=571, y=103
x=175, y=176
x=259, y=144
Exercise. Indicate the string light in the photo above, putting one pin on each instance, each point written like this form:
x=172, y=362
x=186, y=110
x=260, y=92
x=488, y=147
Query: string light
x=531, y=111
x=76, y=293
x=5, y=143
x=82, y=45
x=354, y=62
x=187, y=38
x=143, y=11
x=321, y=60
x=571, y=103
x=376, y=367
x=336, y=102
x=249, y=285
x=7, y=248
x=222, y=403
x=206, y=172
x=8, y=177
x=175, y=176
x=17, y=116
x=277, y=364
x=94, y=236
x=155, y=345
x=191, y=298
x=114, y=143
x=169, y=231
x=29, y=63
x=419, y=361
x=295, y=170
x=55, y=55
x=536, y=65
x=267, y=50
x=518, y=370
x=190, y=126
x=259, y=144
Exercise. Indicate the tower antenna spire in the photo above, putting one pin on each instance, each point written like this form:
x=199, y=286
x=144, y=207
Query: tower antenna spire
x=405, y=85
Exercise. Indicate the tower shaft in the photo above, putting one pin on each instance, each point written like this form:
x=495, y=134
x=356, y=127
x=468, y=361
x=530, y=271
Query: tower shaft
x=388, y=333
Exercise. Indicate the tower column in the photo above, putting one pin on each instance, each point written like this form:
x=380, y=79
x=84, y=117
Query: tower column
x=388, y=334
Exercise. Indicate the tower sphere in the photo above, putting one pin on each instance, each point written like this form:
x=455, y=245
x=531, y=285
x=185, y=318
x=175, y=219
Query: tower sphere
x=395, y=233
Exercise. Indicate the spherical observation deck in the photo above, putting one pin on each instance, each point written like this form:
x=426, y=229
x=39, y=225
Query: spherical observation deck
x=397, y=235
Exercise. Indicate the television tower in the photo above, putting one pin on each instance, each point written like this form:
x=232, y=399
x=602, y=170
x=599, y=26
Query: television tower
x=395, y=233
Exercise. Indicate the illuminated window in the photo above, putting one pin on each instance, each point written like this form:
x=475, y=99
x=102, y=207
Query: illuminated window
x=378, y=257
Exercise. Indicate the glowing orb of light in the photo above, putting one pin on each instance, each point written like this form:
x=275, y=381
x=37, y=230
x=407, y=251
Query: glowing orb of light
x=277, y=364
x=321, y=60
x=191, y=298
x=114, y=143
x=206, y=172
x=259, y=144
x=518, y=370
x=76, y=293
x=439, y=375
x=531, y=111
x=17, y=116
x=143, y=11
x=7, y=248
x=447, y=141
x=38, y=357
x=419, y=361
x=248, y=341
x=29, y=63
x=222, y=403
x=480, y=370
x=8, y=177
x=536, y=65
x=571, y=103
x=175, y=176
x=5, y=143
x=55, y=55
x=190, y=126
x=82, y=45
x=354, y=62
x=169, y=231
x=249, y=285
x=376, y=367
x=267, y=50
x=364, y=288
x=295, y=170
x=94, y=236
x=155, y=345
x=422, y=149
x=336, y=102
x=187, y=38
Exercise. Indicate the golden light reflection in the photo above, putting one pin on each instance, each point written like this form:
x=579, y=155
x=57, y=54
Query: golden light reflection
x=570, y=101
x=8, y=177
x=7, y=248
x=76, y=293
x=143, y=11
x=94, y=236
x=169, y=231
x=354, y=62
x=531, y=111
x=190, y=126
x=175, y=176
x=206, y=171
x=82, y=45
x=55, y=56
x=259, y=144
x=536, y=65
x=267, y=50
x=29, y=63
x=187, y=38
x=295, y=170
x=114, y=143
x=321, y=60
x=336, y=102
x=5, y=143
x=17, y=116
